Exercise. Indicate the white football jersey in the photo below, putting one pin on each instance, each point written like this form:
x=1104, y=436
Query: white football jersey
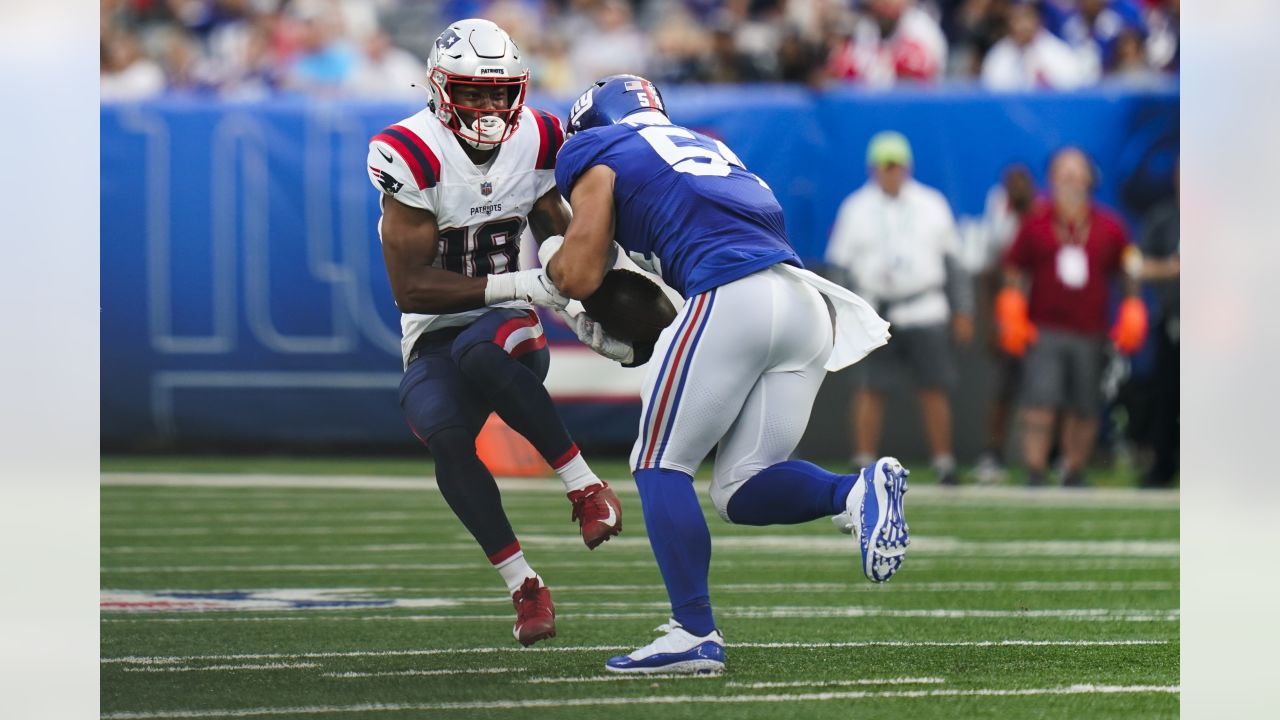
x=480, y=211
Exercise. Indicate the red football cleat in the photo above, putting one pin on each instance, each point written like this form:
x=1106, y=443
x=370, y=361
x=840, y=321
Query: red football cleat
x=535, y=613
x=598, y=512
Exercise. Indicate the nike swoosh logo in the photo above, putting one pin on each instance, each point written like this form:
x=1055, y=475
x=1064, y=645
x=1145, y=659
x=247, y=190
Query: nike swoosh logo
x=612, y=519
x=388, y=157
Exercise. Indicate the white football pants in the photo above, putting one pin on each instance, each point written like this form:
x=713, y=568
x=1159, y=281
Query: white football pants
x=739, y=368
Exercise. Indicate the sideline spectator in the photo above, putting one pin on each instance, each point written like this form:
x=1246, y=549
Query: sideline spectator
x=615, y=45
x=1092, y=27
x=1129, y=66
x=799, y=59
x=896, y=241
x=973, y=27
x=1068, y=251
x=327, y=61
x=725, y=63
x=896, y=40
x=1161, y=268
x=127, y=74
x=1163, y=43
x=678, y=45
x=1007, y=205
x=1031, y=57
x=387, y=71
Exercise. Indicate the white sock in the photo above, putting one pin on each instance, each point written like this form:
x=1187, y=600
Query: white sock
x=944, y=463
x=863, y=461
x=575, y=474
x=514, y=571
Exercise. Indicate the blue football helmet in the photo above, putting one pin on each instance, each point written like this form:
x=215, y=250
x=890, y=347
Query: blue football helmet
x=611, y=99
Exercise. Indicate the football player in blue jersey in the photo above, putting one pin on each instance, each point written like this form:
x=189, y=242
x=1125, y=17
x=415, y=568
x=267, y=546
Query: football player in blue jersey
x=740, y=366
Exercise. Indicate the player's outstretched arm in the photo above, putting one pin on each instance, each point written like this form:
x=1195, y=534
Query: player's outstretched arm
x=410, y=241
x=579, y=266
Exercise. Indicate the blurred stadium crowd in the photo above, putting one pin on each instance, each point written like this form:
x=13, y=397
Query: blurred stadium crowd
x=244, y=49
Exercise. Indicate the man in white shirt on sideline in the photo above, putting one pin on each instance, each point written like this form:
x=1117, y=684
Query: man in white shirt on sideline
x=896, y=242
x=1032, y=58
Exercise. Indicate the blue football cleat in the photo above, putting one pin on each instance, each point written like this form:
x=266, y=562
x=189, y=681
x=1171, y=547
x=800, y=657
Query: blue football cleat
x=676, y=652
x=874, y=516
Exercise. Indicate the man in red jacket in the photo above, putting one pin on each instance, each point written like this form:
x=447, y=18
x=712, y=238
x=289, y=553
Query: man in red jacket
x=1067, y=253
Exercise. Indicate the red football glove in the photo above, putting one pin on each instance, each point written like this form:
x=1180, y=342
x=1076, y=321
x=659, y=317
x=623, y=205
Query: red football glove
x=1130, y=329
x=1013, y=326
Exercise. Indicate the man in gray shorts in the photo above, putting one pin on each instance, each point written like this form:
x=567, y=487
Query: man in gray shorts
x=1067, y=253
x=1064, y=370
x=895, y=242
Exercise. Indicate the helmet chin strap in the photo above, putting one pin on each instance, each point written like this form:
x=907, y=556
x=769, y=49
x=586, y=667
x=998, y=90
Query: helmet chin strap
x=489, y=128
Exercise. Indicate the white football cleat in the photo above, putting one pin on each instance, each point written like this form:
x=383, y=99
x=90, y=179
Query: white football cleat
x=677, y=652
x=875, y=517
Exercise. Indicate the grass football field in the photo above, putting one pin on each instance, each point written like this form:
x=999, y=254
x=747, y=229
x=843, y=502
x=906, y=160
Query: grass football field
x=299, y=590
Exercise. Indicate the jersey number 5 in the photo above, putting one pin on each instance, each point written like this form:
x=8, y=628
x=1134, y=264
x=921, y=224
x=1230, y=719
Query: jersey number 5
x=688, y=153
x=492, y=248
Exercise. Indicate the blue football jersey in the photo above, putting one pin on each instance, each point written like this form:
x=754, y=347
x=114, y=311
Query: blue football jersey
x=684, y=199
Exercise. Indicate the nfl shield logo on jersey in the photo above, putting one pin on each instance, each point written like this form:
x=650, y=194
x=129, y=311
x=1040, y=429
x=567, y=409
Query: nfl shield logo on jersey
x=486, y=188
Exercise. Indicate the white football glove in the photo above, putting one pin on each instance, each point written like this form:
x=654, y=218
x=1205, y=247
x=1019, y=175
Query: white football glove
x=549, y=248
x=592, y=334
x=532, y=286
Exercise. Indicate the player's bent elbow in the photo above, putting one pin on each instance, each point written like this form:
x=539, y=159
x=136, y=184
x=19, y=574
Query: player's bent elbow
x=577, y=285
x=408, y=302
x=422, y=301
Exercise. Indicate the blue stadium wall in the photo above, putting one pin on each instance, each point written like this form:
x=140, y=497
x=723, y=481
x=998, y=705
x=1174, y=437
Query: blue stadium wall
x=244, y=301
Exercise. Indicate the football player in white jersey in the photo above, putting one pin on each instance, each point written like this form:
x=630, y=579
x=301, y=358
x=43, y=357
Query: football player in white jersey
x=460, y=181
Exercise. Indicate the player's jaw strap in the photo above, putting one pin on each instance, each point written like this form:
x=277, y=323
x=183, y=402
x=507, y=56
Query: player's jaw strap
x=415, y=152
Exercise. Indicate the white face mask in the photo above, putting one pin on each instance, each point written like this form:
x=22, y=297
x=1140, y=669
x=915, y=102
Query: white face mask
x=1073, y=266
x=488, y=128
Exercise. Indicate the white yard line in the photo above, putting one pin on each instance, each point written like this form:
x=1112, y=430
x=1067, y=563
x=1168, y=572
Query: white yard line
x=772, y=544
x=758, y=685
x=219, y=668
x=650, y=700
x=255, y=531
x=260, y=550
x=250, y=510
x=461, y=594
x=420, y=673
x=616, y=678
x=920, y=545
x=349, y=567
x=839, y=683
x=175, y=659
x=1077, y=614
x=1050, y=497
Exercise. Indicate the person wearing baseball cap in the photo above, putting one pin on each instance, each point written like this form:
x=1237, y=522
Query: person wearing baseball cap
x=896, y=243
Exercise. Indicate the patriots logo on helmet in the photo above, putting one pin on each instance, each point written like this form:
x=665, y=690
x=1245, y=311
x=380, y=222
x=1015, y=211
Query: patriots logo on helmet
x=448, y=39
x=385, y=181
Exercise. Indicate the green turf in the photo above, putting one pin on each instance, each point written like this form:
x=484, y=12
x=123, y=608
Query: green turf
x=1119, y=474
x=1004, y=568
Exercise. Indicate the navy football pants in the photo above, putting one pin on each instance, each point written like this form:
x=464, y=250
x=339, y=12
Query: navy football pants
x=455, y=378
